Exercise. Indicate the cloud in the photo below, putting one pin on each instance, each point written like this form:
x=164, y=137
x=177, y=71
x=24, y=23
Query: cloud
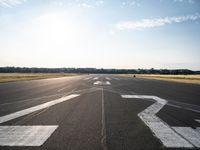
x=133, y=3
x=152, y=23
x=58, y=3
x=10, y=3
x=85, y=5
x=188, y=1
x=99, y=2
x=91, y=5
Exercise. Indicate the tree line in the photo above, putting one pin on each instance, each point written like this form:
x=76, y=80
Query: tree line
x=95, y=70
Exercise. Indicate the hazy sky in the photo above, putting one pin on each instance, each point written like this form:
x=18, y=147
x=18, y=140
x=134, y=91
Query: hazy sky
x=100, y=33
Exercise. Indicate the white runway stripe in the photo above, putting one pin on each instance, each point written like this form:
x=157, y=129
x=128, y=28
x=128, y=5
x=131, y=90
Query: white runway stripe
x=198, y=129
x=167, y=135
x=96, y=78
x=97, y=82
x=25, y=135
x=197, y=120
x=107, y=83
x=35, y=108
x=190, y=134
x=28, y=135
x=162, y=131
x=102, y=83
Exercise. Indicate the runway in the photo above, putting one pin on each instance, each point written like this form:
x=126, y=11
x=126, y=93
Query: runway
x=99, y=112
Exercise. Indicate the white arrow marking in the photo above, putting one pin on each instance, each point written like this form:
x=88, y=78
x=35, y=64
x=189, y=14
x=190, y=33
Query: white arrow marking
x=189, y=134
x=198, y=129
x=28, y=135
x=170, y=136
x=107, y=78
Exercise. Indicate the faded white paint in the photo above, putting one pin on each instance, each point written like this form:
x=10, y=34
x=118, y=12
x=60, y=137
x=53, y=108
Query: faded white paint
x=96, y=78
x=35, y=108
x=28, y=135
x=97, y=83
x=103, y=124
x=198, y=129
x=107, y=83
x=190, y=134
x=172, y=137
x=25, y=135
x=197, y=120
x=102, y=83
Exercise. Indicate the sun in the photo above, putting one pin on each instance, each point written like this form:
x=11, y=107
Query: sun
x=56, y=27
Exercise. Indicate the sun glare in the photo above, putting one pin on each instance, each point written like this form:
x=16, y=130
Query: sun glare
x=56, y=26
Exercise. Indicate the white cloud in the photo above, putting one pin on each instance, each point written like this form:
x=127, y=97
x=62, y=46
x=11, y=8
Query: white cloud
x=157, y=22
x=10, y=3
x=135, y=3
x=188, y=1
x=85, y=5
x=58, y=3
x=132, y=3
x=99, y=2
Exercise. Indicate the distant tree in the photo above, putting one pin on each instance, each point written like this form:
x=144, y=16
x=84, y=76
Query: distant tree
x=94, y=70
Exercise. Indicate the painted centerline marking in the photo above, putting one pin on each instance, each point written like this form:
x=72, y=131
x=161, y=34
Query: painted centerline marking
x=103, y=129
x=173, y=137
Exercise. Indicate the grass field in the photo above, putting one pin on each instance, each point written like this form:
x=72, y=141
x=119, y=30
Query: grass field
x=192, y=79
x=9, y=77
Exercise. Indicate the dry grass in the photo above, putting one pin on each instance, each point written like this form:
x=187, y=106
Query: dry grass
x=9, y=77
x=192, y=79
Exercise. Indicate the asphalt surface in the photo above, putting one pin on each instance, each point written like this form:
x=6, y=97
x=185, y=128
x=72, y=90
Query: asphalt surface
x=98, y=118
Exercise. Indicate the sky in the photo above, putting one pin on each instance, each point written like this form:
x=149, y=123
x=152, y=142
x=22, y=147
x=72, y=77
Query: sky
x=122, y=34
